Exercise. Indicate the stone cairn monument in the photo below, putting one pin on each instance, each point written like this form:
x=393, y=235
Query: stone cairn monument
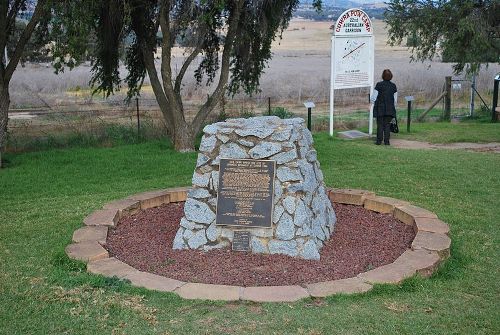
x=266, y=165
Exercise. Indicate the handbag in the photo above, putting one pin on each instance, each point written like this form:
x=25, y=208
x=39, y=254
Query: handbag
x=394, y=125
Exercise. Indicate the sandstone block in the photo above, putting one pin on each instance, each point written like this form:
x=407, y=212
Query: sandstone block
x=393, y=273
x=349, y=196
x=91, y=233
x=86, y=251
x=439, y=243
x=422, y=261
x=124, y=206
x=408, y=213
x=152, y=199
x=382, y=204
x=103, y=217
x=432, y=225
x=343, y=286
x=180, y=193
x=110, y=267
x=209, y=292
x=153, y=282
x=274, y=293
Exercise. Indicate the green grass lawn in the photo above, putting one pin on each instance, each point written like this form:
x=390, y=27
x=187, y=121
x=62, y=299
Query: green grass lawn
x=45, y=195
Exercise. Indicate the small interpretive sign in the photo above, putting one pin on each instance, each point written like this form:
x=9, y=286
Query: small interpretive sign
x=241, y=241
x=245, y=192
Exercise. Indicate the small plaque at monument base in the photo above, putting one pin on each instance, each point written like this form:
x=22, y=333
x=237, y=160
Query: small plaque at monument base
x=245, y=193
x=241, y=241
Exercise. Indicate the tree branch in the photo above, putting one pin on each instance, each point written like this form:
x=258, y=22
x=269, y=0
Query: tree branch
x=166, y=70
x=185, y=65
x=156, y=85
x=225, y=66
x=4, y=6
x=11, y=15
x=40, y=10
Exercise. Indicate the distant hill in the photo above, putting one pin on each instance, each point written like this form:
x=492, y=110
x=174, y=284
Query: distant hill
x=349, y=3
x=333, y=8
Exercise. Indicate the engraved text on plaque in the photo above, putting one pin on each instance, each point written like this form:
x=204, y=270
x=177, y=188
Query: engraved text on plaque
x=245, y=192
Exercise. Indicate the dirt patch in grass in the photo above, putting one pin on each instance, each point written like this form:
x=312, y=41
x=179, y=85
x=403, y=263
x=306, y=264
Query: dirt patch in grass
x=362, y=240
x=493, y=147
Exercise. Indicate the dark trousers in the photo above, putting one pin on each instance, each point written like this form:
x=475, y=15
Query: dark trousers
x=384, y=129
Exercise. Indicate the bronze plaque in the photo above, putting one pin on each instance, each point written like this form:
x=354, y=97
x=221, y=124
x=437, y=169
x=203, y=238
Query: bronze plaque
x=241, y=241
x=245, y=193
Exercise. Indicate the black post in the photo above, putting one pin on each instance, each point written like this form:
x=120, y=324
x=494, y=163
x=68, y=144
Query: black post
x=447, y=99
x=496, y=82
x=309, y=118
x=138, y=119
x=269, y=106
x=408, y=120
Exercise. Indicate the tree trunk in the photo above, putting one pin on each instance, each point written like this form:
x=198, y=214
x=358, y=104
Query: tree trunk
x=4, y=117
x=184, y=138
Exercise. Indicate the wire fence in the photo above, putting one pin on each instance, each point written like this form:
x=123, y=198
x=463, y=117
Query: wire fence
x=102, y=119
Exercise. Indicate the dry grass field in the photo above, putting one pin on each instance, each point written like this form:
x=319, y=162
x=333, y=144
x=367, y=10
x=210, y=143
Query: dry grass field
x=298, y=71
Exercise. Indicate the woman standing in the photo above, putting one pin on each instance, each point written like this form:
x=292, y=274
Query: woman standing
x=385, y=97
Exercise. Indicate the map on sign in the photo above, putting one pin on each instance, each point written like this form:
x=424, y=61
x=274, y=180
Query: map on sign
x=352, y=62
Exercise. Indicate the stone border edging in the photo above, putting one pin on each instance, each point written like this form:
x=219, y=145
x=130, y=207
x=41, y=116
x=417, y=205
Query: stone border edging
x=430, y=247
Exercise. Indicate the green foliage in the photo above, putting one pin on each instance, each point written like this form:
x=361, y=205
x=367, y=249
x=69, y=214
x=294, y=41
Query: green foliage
x=463, y=32
x=34, y=51
x=197, y=24
x=247, y=113
x=282, y=113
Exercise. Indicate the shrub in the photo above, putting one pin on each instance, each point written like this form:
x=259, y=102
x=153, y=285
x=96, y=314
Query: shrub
x=281, y=112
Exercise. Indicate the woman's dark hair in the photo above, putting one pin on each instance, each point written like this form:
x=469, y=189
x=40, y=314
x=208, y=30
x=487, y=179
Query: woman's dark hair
x=387, y=74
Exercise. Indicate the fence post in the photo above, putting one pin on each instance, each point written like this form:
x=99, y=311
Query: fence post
x=472, y=91
x=408, y=119
x=447, y=99
x=269, y=106
x=138, y=118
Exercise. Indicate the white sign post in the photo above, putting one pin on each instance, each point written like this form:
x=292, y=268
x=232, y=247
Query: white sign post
x=352, y=58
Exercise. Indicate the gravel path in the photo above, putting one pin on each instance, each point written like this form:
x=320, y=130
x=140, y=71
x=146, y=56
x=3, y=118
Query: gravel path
x=481, y=147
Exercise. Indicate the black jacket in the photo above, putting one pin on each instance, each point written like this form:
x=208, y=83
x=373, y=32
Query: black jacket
x=384, y=105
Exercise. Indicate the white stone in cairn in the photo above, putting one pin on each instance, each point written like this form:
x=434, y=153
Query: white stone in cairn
x=302, y=213
x=223, y=138
x=278, y=191
x=208, y=144
x=278, y=211
x=198, y=193
x=212, y=232
x=310, y=251
x=179, y=240
x=289, y=204
x=246, y=143
x=287, y=174
x=285, y=229
x=198, y=212
x=285, y=157
x=232, y=150
x=197, y=240
x=202, y=160
x=282, y=135
x=257, y=246
x=201, y=180
x=288, y=248
x=264, y=150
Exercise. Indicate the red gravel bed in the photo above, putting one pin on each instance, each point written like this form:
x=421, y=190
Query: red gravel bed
x=362, y=240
